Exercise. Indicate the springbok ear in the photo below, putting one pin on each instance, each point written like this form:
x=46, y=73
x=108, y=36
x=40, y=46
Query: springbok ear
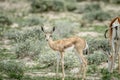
x=53, y=29
x=42, y=29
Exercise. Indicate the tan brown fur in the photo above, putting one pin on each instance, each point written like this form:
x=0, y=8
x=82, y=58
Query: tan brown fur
x=61, y=45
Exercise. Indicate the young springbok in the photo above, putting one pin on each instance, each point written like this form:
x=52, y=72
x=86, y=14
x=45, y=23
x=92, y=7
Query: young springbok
x=114, y=40
x=61, y=45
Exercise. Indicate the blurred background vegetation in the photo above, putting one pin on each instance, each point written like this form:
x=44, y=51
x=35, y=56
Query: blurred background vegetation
x=24, y=53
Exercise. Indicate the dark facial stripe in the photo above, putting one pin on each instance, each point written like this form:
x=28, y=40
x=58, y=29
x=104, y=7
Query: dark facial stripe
x=116, y=35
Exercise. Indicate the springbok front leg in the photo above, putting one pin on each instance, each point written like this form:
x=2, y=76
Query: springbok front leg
x=62, y=62
x=110, y=59
x=58, y=61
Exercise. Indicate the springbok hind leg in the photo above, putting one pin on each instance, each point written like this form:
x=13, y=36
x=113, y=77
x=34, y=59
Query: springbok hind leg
x=110, y=62
x=119, y=59
x=81, y=66
x=119, y=62
x=84, y=64
x=112, y=57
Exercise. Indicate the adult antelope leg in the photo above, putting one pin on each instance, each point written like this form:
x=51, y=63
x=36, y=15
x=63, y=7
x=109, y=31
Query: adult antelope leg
x=110, y=59
x=118, y=55
x=113, y=57
x=119, y=58
x=119, y=62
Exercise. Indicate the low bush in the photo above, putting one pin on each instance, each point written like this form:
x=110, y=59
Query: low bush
x=71, y=60
x=97, y=15
x=109, y=76
x=52, y=5
x=97, y=58
x=25, y=40
x=3, y=28
x=26, y=49
x=64, y=27
x=80, y=0
x=14, y=70
x=4, y=20
x=92, y=69
x=49, y=58
x=21, y=36
x=88, y=8
x=4, y=24
x=28, y=21
x=115, y=1
x=95, y=45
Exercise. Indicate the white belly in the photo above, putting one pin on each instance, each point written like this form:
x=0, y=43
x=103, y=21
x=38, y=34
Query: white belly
x=69, y=48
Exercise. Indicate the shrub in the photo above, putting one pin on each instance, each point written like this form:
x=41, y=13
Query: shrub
x=29, y=21
x=70, y=5
x=95, y=45
x=96, y=58
x=102, y=16
x=46, y=5
x=71, y=60
x=4, y=24
x=64, y=27
x=109, y=76
x=25, y=40
x=5, y=20
x=92, y=69
x=97, y=15
x=79, y=0
x=115, y=1
x=30, y=48
x=12, y=69
x=88, y=8
x=52, y=5
x=49, y=58
x=21, y=36
x=3, y=28
x=92, y=7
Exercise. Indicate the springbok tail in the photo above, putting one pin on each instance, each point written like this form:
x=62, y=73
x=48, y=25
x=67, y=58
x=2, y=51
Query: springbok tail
x=86, y=50
x=105, y=33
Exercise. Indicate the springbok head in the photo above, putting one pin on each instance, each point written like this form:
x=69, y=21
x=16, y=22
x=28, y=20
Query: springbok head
x=115, y=27
x=48, y=34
